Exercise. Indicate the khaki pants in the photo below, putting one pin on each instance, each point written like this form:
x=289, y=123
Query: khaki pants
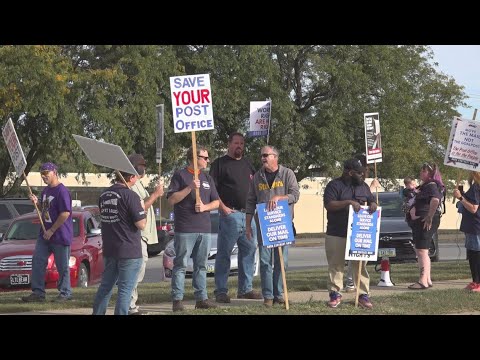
x=141, y=274
x=335, y=251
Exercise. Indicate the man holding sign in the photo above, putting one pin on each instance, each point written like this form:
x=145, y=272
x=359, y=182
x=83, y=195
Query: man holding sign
x=192, y=227
x=270, y=184
x=340, y=193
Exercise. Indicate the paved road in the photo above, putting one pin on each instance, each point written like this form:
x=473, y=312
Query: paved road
x=306, y=258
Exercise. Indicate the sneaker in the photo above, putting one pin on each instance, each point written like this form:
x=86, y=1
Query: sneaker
x=364, y=301
x=279, y=301
x=33, y=298
x=476, y=288
x=222, y=298
x=178, y=305
x=335, y=299
x=138, y=312
x=205, y=304
x=268, y=303
x=349, y=288
x=61, y=298
x=250, y=295
x=471, y=286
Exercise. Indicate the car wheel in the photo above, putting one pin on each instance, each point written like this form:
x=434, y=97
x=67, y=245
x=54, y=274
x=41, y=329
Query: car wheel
x=82, y=276
x=434, y=251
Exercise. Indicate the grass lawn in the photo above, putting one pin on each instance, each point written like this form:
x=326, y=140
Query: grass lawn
x=426, y=302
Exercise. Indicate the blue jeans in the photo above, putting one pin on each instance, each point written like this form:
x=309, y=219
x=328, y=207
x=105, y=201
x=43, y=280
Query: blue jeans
x=61, y=254
x=231, y=232
x=198, y=246
x=124, y=273
x=272, y=284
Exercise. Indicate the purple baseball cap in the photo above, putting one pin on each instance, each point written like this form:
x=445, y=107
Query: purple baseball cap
x=48, y=166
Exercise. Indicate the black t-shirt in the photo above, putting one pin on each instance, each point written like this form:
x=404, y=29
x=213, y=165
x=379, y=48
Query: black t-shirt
x=120, y=209
x=471, y=222
x=271, y=177
x=186, y=219
x=425, y=193
x=338, y=190
x=232, y=179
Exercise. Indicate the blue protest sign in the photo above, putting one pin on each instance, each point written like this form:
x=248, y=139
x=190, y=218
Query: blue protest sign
x=362, y=234
x=276, y=226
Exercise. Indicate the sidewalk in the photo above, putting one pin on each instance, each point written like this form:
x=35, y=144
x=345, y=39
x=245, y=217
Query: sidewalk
x=294, y=297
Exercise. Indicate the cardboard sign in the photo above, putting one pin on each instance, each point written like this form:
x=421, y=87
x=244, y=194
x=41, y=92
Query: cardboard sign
x=463, y=149
x=105, y=154
x=191, y=103
x=260, y=112
x=14, y=147
x=373, y=138
x=362, y=234
x=276, y=226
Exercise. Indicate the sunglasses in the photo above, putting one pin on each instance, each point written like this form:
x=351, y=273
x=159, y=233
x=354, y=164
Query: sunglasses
x=427, y=165
x=266, y=155
x=203, y=157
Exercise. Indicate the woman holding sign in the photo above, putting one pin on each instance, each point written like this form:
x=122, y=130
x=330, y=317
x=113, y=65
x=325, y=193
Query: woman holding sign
x=427, y=220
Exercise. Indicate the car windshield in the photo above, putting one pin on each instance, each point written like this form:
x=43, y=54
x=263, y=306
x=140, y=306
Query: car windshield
x=29, y=229
x=391, y=204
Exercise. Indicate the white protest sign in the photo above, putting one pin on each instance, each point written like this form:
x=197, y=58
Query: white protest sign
x=105, y=154
x=14, y=148
x=191, y=103
x=260, y=112
x=463, y=150
x=373, y=138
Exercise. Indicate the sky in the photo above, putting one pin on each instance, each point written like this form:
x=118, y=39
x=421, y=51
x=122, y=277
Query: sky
x=462, y=63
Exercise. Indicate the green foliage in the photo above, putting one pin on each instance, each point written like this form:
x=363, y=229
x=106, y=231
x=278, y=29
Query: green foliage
x=319, y=94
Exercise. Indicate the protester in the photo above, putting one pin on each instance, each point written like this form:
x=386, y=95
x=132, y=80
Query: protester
x=233, y=174
x=374, y=185
x=273, y=182
x=340, y=193
x=149, y=233
x=123, y=216
x=427, y=208
x=56, y=210
x=192, y=227
x=469, y=207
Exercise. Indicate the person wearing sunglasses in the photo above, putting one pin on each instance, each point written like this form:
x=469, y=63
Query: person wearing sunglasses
x=426, y=207
x=273, y=182
x=192, y=227
x=56, y=209
x=233, y=174
x=340, y=193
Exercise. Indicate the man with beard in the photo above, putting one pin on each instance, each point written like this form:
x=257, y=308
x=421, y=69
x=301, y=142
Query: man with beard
x=233, y=174
x=340, y=193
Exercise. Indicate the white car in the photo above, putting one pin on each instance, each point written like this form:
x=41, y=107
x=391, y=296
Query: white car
x=169, y=254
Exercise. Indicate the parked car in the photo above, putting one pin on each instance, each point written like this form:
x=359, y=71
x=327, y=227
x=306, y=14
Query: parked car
x=395, y=234
x=165, y=231
x=10, y=208
x=169, y=254
x=18, y=243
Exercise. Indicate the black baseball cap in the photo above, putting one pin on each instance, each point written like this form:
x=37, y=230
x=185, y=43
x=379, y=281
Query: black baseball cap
x=354, y=164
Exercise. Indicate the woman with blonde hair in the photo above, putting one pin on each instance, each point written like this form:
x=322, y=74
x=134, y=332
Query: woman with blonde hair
x=470, y=225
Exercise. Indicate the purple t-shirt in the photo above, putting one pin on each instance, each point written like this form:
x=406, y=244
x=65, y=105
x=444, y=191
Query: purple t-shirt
x=54, y=201
x=120, y=209
x=186, y=219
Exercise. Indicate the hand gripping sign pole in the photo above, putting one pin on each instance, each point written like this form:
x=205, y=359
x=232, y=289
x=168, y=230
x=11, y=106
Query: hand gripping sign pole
x=18, y=158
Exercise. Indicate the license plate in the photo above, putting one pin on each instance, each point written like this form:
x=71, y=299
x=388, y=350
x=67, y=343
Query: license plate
x=20, y=279
x=210, y=268
x=387, y=252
